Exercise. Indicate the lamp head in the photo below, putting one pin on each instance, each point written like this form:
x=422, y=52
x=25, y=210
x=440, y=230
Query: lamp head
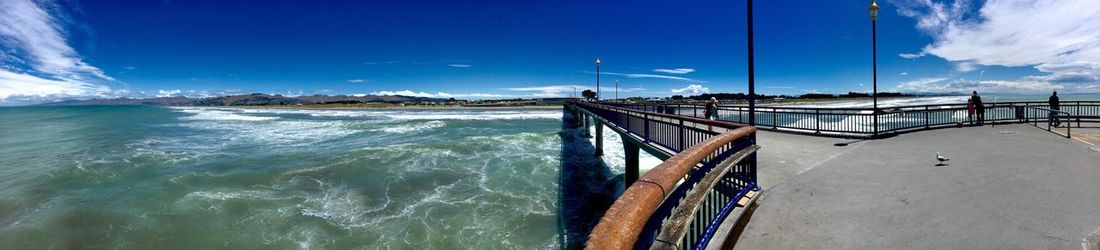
x=873, y=10
x=597, y=60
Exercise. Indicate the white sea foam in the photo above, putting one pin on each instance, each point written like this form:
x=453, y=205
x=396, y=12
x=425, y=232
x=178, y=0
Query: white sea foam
x=418, y=114
x=220, y=115
x=412, y=128
x=342, y=206
x=241, y=194
x=615, y=155
x=445, y=114
x=478, y=115
x=886, y=102
x=273, y=130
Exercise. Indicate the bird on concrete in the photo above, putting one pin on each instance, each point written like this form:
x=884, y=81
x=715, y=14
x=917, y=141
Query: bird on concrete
x=941, y=159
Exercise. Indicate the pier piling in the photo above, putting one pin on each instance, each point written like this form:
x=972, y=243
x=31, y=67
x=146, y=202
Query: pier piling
x=631, y=159
x=599, y=137
x=587, y=125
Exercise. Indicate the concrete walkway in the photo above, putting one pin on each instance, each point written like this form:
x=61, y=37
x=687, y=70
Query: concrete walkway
x=1014, y=187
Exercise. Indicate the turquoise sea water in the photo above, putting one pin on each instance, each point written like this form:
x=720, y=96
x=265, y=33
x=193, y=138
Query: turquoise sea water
x=201, y=178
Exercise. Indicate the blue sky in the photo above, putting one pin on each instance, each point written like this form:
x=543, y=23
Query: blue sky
x=52, y=50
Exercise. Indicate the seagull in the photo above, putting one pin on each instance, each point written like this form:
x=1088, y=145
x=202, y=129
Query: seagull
x=939, y=157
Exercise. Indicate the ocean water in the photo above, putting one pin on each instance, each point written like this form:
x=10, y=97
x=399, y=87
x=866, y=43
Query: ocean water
x=224, y=178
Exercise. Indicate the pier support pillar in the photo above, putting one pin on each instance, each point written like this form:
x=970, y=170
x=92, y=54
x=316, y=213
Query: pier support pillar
x=599, y=136
x=587, y=125
x=631, y=157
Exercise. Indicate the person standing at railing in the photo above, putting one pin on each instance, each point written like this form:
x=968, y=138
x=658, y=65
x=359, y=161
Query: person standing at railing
x=711, y=112
x=979, y=107
x=1054, y=105
x=970, y=111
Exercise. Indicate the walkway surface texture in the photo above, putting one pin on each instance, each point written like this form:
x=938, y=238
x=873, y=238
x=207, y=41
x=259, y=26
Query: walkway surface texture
x=1012, y=186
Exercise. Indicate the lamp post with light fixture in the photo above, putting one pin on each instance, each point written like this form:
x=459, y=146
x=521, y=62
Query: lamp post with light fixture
x=874, y=63
x=597, y=79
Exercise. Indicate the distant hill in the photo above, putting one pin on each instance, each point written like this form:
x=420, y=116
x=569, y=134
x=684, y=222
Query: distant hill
x=250, y=99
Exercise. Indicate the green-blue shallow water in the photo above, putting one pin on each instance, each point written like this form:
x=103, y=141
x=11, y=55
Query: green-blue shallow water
x=201, y=178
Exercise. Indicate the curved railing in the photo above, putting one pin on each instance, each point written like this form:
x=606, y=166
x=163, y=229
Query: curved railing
x=866, y=122
x=681, y=202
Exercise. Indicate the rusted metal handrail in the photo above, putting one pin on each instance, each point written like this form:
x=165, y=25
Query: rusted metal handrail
x=675, y=229
x=627, y=219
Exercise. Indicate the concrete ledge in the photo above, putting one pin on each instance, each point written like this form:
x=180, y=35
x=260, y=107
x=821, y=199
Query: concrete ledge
x=734, y=224
x=1092, y=242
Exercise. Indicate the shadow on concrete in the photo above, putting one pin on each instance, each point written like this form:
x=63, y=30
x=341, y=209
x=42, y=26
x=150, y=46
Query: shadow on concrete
x=846, y=143
x=587, y=186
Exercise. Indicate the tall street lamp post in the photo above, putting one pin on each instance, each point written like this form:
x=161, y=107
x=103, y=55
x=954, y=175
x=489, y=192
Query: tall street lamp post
x=616, y=90
x=597, y=79
x=874, y=62
x=752, y=71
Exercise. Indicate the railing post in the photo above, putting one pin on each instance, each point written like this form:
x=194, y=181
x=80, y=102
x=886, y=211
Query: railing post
x=817, y=119
x=775, y=119
x=645, y=127
x=1068, y=127
x=740, y=115
x=874, y=115
x=926, y=117
x=681, y=136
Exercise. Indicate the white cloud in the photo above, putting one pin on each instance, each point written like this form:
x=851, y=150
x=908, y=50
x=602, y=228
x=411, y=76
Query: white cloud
x=41, y=64
x=460, y=65
x=907, y=73
x=357, y=80
x=966, y=66
x=552, y=90
x=691, y=89
x=675, y=71
x=941, y=85
x=648, y=76
x=437, y=94
x=1056, y=37
x=26, y=87
x=201, y=93
x=567, y=90
x=169, y=93
x=912, y=55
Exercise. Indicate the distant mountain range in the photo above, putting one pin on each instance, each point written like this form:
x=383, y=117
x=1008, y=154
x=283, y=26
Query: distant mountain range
x=250, y=99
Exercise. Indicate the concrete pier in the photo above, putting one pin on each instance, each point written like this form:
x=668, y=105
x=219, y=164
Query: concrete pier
x=1011, y=186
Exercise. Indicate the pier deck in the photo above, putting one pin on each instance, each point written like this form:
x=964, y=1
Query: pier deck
x=1012, y=186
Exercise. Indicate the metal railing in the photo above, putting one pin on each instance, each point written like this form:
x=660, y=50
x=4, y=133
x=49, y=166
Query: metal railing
x=1053, y=116
x=714, y=165
x=860, y=122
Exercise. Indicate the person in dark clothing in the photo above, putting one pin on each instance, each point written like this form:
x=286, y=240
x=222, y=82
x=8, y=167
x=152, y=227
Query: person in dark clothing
x=978, y=106
x=1053, y=102
x=712, y=109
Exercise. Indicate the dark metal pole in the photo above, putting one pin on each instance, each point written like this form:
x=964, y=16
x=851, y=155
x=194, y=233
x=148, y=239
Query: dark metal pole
x=752, y=74
x=874, y=67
